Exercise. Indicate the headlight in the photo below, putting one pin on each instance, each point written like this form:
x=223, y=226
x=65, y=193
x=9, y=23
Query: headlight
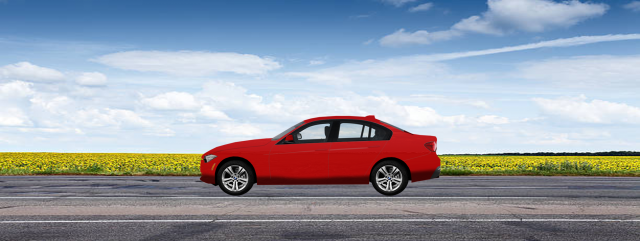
x=208, y=158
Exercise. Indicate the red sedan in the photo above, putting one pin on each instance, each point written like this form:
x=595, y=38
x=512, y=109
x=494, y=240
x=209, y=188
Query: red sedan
x=326, y=150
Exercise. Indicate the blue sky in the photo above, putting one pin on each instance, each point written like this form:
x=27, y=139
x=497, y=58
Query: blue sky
x=186, y=76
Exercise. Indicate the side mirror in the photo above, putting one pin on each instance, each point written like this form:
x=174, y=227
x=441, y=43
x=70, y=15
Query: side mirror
x=289, y=138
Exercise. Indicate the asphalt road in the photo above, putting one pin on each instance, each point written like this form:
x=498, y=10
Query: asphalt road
x=448, y=208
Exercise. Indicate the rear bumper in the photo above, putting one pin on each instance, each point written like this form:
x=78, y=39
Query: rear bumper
x=436, y=173
x=424, y=167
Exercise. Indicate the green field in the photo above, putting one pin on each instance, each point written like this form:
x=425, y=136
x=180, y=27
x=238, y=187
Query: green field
x=44, y=163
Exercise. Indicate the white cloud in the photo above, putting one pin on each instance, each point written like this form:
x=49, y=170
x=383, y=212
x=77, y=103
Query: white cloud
x=190, y=63
x=239, y=129
x=410, y=68
x=212, y=113
x=110, y=117
x=580, y=137
x=450, y=100
x=506, y=16
x=421, y=116
x=49, y=111
x=52, y=130
x=530, y=16
x=105, y=118
x=397, y=3
x=633, y=6
x=425, y=67
x=192, y=106
x=562, y=42
x=590, y=134
x=596, y=111
x=401, y=37
x=361, y=16
x=16, y=89
x=316, y=62
x=553, y=139
x=30, y=72
x=585, y=71
x=324, y=77
x=421, y=7
x=172, y=101
x=13, y=117
x=92, y=79
x=368, y=41
x=228, y=96
x=493, y=119
x=54, y=104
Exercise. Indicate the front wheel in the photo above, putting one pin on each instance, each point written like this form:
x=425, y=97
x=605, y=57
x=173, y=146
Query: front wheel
x=389, y=177
x=235, y=177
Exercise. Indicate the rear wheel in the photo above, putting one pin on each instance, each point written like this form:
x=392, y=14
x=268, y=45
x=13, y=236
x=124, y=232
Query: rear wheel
x=235, y=177
x=389, y=177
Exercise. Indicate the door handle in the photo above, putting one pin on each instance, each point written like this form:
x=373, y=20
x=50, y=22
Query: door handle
x=322, y=149
x=374, y=146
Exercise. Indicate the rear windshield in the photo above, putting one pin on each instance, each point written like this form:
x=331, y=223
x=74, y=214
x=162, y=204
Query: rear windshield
x=394, y=126
x=287, y=131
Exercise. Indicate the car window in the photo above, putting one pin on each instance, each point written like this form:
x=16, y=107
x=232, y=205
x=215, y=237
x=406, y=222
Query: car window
x=286, y=131
x=362, y=131
x=377, y=133
x=314, y=133
x=351, y=130
x=395, y=126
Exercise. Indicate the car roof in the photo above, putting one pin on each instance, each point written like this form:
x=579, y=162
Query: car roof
x=371, y=118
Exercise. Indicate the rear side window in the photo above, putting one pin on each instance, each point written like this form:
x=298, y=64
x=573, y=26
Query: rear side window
x=353, y=131
x=362, y=131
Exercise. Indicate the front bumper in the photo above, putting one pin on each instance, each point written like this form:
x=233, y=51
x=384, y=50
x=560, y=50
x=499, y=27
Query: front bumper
x=208, y=179
x=207, y=172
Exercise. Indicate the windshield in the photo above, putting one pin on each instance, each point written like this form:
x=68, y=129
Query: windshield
x=287, y=131
x=394, y=126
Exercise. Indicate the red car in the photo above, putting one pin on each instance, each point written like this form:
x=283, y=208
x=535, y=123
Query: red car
x=326, y=150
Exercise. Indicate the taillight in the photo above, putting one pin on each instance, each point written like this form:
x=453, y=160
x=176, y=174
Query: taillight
x=432, y=146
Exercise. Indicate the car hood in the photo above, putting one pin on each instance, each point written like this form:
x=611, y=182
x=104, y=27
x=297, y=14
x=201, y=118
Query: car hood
x=240, y=144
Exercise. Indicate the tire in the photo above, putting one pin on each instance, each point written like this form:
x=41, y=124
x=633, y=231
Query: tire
x=396, y=175
x=234, y=173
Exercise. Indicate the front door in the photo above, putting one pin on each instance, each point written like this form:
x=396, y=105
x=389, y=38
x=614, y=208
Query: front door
x=306, y=160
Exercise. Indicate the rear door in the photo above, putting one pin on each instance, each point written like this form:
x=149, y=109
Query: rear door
x=354, y=151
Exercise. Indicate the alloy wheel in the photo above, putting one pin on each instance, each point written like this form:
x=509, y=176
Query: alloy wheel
x=235, y=178
x=388, y=178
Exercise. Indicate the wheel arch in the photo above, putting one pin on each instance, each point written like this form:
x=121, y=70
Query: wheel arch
x=237, y=158
x=390, y=159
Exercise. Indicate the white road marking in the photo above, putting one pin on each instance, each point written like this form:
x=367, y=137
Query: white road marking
x=316, y=220
x=236, y=198
x=151, y=184
x=550, y=187
x=108, y=221
x=430, y=220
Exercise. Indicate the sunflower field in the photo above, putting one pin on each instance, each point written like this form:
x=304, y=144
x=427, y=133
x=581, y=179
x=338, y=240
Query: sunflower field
x=22, y=163
x=26, y=163
x=541, y=165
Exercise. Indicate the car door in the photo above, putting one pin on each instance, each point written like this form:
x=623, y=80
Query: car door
x=355, y=150
x=306, y=159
